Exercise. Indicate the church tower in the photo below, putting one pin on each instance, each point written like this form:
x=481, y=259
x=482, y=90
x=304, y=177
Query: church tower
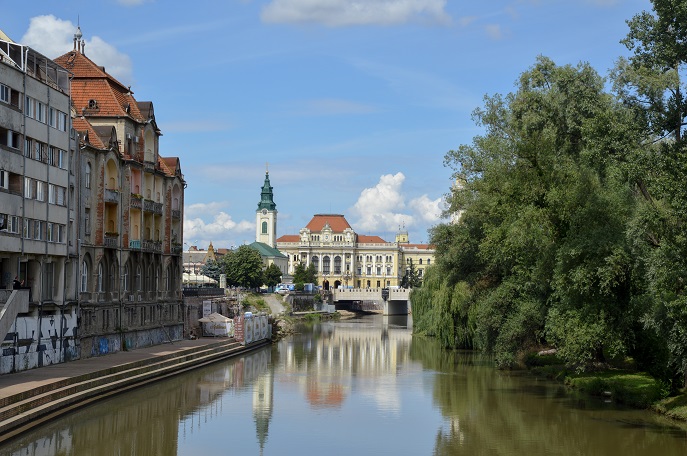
x=266, y=215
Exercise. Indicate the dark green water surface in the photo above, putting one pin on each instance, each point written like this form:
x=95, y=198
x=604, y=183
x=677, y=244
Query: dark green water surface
x=355, y=387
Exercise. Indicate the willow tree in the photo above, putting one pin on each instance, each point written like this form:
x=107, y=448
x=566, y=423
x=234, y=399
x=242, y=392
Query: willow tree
x=652, y=83
x=540, y=241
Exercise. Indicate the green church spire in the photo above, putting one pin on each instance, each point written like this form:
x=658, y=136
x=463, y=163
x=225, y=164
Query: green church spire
x=266, y=196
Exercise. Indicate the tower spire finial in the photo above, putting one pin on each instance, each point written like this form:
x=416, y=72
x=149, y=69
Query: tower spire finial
x=267, y=168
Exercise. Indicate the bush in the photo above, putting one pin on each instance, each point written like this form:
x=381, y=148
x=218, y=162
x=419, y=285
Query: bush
x=635, y=389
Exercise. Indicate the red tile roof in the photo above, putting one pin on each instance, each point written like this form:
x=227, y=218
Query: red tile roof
x=289, y=238
x=92, y=82
x=86, y=130
x=364, y=239
x=337, y=222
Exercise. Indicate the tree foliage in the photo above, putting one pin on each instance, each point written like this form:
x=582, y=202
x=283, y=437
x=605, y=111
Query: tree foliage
x=212, y=269
x=272, y=275
x=243, y=267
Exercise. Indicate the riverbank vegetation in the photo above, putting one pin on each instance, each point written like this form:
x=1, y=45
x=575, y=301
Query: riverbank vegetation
x=572, y=219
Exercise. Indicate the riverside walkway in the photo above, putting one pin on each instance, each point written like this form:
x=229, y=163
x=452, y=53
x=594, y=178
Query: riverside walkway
x=32, y=397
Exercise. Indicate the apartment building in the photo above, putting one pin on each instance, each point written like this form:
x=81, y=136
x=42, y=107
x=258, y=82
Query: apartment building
x=38, y=325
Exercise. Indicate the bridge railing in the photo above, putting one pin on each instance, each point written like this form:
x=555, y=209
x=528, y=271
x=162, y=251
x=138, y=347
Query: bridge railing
x=363, y=294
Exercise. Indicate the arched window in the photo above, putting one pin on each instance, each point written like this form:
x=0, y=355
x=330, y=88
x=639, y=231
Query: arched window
x=149, y=278
x=337, y=265
x=84, y=276
x=264, y=227
x=101, y=273
x=315, y=261
x=113, y=277
x=138, y=278
x=169, y=277
x=125, y=278
x=420, y=260
x=157, y=279
x=325, y=265
x=429, y=261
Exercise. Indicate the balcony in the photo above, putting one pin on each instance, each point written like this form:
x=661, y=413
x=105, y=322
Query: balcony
x=148, y=205
x=176, y=213
x=151, y=246
x=111, y=240
x=149, y=167
x=136, y=201
x=111, y=196
x=157, y=208
x=135, y=244
x=177, y=249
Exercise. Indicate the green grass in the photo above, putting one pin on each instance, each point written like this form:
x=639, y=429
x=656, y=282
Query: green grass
x=674, y=406
x=636, y=389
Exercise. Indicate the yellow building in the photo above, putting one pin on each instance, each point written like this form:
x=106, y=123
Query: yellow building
x=344, y=258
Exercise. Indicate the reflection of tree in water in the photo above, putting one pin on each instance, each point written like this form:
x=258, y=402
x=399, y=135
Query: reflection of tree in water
x=492, y=412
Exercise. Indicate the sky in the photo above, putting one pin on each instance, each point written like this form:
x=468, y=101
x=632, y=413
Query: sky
x=350, y=104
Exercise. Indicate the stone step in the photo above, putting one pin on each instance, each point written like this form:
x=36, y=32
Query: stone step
x=25, y=410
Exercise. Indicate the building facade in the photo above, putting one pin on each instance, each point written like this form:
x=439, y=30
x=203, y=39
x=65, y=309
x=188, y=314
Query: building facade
x=343, y=258
x=130, y=213
x=266, y=215
x=37, y=210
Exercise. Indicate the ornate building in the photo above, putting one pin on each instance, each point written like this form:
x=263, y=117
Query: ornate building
x=266, y=215
x=130, y=212
x=344, y=258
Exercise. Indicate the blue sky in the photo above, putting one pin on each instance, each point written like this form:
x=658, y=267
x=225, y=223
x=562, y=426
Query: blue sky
x=353, y=103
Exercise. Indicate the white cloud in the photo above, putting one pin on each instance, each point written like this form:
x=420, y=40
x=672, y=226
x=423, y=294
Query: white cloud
x=494, y=31
x=427, y=209
x=208, y=222
x=382, y=209
x=54, y=37
x=379, y=208
x=354, y=12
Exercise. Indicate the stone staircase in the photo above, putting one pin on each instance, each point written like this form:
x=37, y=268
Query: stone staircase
x=12, y=303
x=47, y=400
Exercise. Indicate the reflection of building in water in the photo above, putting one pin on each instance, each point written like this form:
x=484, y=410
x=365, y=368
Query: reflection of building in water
x=341, y=353
x=149, y=420
x=262, y=405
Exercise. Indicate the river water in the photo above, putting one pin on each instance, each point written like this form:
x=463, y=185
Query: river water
x=355, y=387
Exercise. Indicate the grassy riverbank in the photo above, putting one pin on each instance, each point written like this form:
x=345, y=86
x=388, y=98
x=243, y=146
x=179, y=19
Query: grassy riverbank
x=636, y=389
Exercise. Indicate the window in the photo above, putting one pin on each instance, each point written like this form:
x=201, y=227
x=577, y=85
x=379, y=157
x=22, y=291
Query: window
x=61, y=121
x=10, y=138
x=84, y=277
x=369, y=269
x=264, y=227
x=87, y=176
x=60, y=233
x=52, y=118
x=4, y=179
x=28, y=147
x=40, y=112
x=28, y=188
x=60, y=162
x=52, y=152
x=39, y=149
x=429, y=261
x=138, y=278
x=379, y=270
x=388, y=270
x=40, y=191
x=100, y=277
x=325, y=265
x=337, y=265
x=38, y=229
x=420, y=262
x=28, y=107
x=52, y=194
x=113, y=278
x=87, y=221
x=4, y=93
x=13, y=224
x=125, y=278
x=50, y=232
x=27, y=228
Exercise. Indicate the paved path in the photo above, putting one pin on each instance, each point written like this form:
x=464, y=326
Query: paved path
x=275, y=303
x=20, y=382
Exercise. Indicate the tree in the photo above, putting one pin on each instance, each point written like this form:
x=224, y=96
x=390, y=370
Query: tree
x=212, y=269
x=410, y=279
x=541, y=241
x=310, y=274
x=652, y=83
x=272, y=275
x=299, y=274
x=243, y=267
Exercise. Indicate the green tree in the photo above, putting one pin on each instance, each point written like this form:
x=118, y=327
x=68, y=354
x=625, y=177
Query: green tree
x=652, y=83
x=243, y=267
x=212, y=269
x=410, y=279
x=540, y=241
x=272, y=275
x=299, y=274
x=310, y=275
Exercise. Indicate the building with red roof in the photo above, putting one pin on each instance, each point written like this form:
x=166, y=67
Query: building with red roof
x=344, y=258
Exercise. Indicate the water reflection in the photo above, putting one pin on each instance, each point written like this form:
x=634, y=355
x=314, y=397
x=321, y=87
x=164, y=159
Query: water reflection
x=359, y=386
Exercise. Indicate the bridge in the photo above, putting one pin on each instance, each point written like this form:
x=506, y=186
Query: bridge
x=397, y=303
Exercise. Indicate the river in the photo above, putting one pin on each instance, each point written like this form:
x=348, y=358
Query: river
x=354, y=387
